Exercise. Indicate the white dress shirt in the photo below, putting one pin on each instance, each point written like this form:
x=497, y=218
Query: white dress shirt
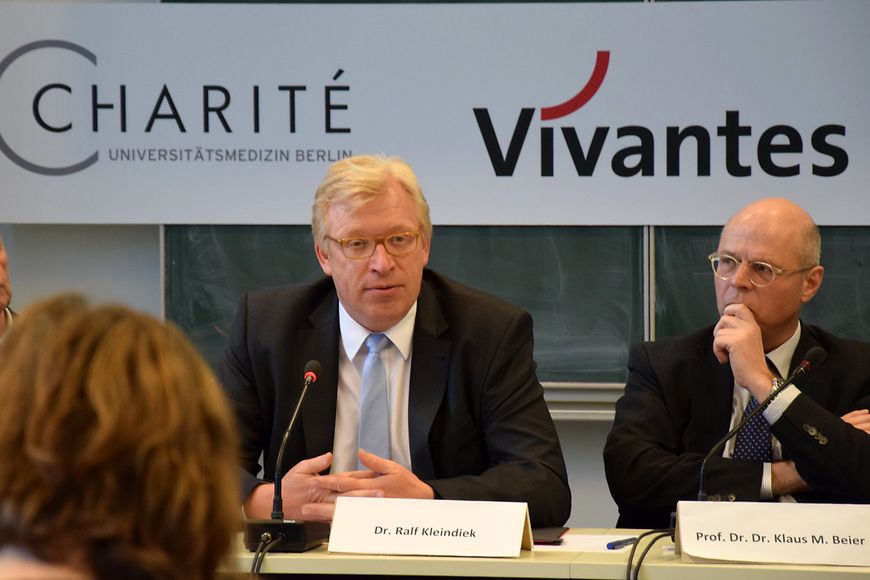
x=7, y=315
x=781, y=358
x=397, y=360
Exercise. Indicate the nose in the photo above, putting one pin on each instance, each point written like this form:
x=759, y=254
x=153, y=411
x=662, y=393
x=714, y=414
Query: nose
x=741, y=276
x=381, y=260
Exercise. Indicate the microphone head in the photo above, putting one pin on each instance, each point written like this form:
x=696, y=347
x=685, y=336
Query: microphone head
x=312, y=369
x=815, y=356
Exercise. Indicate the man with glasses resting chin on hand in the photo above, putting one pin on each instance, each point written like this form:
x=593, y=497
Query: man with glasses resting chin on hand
x=684, y=394
x=428, y=387
x=5, y=292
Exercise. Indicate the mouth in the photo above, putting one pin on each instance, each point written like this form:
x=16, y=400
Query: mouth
x=381, y=289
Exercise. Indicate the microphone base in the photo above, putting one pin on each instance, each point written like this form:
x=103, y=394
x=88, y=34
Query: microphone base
x=295, y=535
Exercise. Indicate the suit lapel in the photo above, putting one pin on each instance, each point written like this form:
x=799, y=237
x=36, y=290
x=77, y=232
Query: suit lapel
x=320, y=343
x=429, y=372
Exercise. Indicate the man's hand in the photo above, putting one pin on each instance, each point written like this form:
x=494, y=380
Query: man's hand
x=737, y=339
x=383, y=475
x=298, y=488
x=785, y=479
x=859, y=419
x=384, y=478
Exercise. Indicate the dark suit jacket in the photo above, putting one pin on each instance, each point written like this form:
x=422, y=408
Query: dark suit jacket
x=677, y=405
x=478, y=424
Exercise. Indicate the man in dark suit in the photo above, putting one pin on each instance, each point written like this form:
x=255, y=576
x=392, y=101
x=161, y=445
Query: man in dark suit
x=466, y=418
x=684, y=394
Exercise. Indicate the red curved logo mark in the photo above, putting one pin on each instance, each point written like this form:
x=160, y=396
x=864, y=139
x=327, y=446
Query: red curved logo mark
x=602, y=60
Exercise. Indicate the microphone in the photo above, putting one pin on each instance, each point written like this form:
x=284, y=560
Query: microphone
x=812, y=359
x=312, y=368
x=279, y=534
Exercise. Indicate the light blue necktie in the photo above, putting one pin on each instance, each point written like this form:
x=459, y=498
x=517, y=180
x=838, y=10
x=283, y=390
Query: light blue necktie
x=374, y=411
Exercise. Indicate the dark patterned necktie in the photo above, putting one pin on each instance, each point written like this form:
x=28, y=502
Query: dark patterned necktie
x=753, y=441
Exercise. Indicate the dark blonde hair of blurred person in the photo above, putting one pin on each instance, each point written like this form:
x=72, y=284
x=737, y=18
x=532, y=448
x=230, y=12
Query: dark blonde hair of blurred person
x=118, y=453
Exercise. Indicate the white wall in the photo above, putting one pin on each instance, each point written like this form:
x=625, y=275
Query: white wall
x=582, y=444
x=108, y=263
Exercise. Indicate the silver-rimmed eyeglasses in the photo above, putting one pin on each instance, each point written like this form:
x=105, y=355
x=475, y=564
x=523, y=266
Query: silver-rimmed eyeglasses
x=361, y=248
x=760, y=273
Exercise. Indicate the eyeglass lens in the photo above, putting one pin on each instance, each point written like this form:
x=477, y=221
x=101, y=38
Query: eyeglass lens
x=760, y=273
x=396, y=245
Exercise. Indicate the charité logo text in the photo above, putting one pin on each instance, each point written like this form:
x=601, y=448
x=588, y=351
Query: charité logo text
x=111, y=109
x=777, y=146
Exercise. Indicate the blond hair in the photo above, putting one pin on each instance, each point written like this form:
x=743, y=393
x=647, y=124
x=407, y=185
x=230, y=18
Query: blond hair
x=355, y=181
x=118, y=452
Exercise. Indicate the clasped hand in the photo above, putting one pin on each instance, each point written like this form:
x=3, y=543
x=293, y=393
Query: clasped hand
x=307, y=495
x=382, y=478
x=737, y=339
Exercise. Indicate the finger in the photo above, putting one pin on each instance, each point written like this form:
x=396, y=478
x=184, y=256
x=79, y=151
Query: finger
x=856, y=414
x=376, y=463
x=320, y=512
x=360, y=474
x=313, y=465
x=336, y=482
x=364, y=493
x=740, y=311
x=720, y=351
x=861, y=422
x=341, y=484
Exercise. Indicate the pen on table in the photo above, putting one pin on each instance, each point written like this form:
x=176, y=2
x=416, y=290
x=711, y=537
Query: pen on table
x=620, y=543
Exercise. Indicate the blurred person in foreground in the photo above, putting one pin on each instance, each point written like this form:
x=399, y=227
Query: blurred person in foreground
x=683, y=394
x=118, y=454
x=460, y=412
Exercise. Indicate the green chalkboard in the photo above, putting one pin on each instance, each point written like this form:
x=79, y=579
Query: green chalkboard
x=582, y=285
x=685, y=298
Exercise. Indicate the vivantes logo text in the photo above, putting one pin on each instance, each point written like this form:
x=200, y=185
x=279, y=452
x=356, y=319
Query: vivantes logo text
x=778, y=148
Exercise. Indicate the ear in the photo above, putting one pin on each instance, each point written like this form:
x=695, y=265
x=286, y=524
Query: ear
x=812, y=283
x=426, y=245
x=323, y=258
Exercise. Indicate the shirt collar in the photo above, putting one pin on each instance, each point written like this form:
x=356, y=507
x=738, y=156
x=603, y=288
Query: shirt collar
x=7, y=314
x=781, y=356
x=353, y=334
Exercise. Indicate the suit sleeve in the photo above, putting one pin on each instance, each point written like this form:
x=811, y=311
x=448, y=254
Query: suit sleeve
x=651, y=460
x=832, y=456
x=237, y=377
x=526, y=462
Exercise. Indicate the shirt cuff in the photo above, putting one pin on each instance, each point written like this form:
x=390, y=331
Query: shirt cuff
x=780, y=403
x=772, y=414
x=766, y=482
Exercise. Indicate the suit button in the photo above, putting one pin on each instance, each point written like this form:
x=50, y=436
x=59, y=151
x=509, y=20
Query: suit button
x=732, y=497
x=811, y=430
x=822, y=440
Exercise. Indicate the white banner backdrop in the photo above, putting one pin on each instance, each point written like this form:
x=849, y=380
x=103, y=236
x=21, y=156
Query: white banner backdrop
x=662, y=113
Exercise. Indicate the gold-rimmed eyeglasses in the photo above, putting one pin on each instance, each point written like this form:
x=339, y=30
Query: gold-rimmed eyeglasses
x=361, y=248
x=760, y=273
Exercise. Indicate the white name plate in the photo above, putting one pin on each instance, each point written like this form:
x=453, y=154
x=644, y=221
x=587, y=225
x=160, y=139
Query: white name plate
x=762, y=532
x=364, y=525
